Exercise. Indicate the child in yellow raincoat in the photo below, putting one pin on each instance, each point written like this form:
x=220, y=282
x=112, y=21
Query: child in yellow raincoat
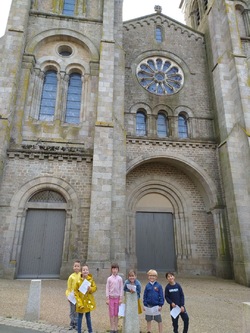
x=85, y=301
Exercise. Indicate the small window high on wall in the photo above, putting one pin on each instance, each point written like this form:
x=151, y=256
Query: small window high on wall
x=158, y=34
x=74, y=95
x=182, y=127
x=69, y=7
x=48, y=99
x=140, y=123
x=162, y=129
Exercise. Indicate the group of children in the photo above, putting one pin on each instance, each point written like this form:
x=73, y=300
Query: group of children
x=81, y=286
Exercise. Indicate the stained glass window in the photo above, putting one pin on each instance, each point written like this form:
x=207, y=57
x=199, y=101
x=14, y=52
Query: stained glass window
x=69, y=7
x=158, y=34
x=160, y=76
x=48, y=99
x=73, y=105
x=140, y=123
x=182, y=127
x=162, y=130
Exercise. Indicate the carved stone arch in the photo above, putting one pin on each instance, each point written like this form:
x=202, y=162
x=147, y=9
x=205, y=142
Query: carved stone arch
x=183, y=109
x=134, y=108
x=71, y=34
x=160, y=53
x=48, y=63
x=200, y=177
x=162, y=107
x=180, y=203
x=20, y=204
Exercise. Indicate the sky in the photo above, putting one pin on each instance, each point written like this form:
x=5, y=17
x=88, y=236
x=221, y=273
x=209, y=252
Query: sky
x=131, y=9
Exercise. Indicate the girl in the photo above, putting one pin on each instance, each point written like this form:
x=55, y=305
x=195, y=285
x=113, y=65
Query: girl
x=85, y=301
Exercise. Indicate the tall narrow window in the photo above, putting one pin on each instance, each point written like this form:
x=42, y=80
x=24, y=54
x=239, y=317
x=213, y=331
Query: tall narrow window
x=196, y=14
x=205, y=2
x=182, y=127
x=48, y=99
x=162, y=129
x=158, y=34
x=74, y=95
x=140, y=123
x=69, y=7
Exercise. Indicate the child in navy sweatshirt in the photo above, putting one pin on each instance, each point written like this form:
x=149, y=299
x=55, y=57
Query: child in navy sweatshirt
x=174, y=296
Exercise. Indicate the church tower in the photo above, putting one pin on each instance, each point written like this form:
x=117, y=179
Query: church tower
x=226, y=26
x=62, y=137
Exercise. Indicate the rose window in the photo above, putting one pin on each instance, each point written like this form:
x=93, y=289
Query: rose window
x=160, y=76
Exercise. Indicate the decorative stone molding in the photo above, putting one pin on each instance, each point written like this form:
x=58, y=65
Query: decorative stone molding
x=172, y=143
x=43, y=151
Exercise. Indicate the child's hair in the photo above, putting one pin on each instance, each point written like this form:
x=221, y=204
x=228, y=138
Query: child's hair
x=115, y=265
x=152, y=272
x=77, y=262
x=131, y=272
x=169, y=273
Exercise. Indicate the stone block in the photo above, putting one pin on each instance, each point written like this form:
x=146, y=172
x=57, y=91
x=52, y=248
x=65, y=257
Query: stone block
x=33, y=307
x=246, y=317
x=131, y=318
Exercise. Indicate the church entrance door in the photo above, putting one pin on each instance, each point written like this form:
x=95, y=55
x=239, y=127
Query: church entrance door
x=42, y=244
x=155, y=241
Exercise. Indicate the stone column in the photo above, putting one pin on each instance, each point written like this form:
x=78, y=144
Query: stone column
x=246, y=317
x=131, y=318
x=223, y=266
x=108, y=175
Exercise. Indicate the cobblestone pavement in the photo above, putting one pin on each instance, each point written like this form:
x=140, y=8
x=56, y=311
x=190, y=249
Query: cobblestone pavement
x=214, y=305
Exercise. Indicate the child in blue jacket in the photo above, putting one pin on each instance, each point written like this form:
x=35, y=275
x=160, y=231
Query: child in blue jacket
x=174, y=296
x=153, y=296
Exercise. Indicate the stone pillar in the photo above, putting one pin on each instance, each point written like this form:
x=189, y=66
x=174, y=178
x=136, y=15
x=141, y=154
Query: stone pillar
x=33, y=307
x=246, y=317
x=223, y=265
x=109, y=162
x=131, y=318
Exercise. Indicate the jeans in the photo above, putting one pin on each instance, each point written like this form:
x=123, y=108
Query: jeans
x=185, y=318
x=72, y=314
x=88, y=322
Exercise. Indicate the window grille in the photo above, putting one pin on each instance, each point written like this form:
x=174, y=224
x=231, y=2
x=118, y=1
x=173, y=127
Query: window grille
x=47, y=196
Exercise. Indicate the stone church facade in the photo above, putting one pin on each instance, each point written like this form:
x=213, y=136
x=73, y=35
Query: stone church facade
x=125, y=141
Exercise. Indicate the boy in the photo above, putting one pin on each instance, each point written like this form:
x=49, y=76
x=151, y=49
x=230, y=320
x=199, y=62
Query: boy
x=174, y=296
x=114, y=295
x=153, y=296
x=72, y=280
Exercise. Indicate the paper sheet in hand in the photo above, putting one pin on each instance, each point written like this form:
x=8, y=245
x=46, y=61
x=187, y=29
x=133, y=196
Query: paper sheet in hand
x=71, y=298
x=84, y=286
x=175, y=311
x=154, y=311
x=121, y=312
x=131, y=287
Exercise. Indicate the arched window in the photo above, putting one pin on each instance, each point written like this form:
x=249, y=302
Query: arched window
x=205, y=4
x=74, y=95
x=140, y=123
x=196, y=14
x=48, y=98
x=162, y=126
x=182, y=126
x=158, y=34
x=69, y=7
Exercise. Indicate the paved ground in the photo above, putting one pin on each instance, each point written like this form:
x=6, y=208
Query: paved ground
x=214, y=305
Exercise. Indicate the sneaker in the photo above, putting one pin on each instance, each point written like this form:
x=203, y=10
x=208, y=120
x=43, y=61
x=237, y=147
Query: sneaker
x=71, y=328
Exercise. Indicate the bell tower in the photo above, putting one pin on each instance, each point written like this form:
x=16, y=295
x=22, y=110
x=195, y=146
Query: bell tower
x=226, y=26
